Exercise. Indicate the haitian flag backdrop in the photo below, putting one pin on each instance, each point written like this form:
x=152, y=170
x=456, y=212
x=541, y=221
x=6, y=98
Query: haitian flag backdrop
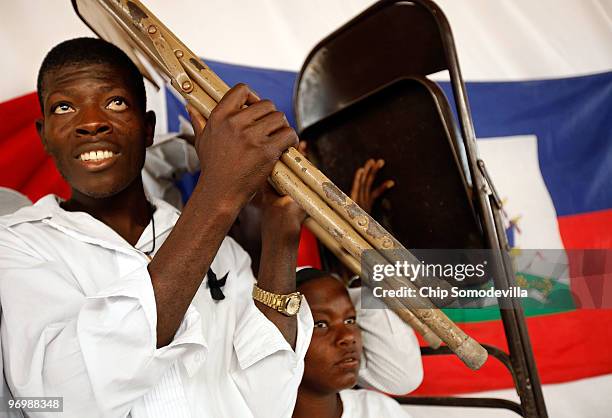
x=539, y=81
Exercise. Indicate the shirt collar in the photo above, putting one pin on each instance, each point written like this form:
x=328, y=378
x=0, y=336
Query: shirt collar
x=85, y=227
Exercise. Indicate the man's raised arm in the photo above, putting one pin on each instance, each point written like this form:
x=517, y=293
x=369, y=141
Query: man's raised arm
x=237, y=151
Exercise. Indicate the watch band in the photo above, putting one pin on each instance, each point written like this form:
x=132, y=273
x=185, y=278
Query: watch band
x=280, y=303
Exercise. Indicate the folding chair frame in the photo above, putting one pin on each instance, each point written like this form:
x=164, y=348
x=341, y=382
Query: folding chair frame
x=519, y=361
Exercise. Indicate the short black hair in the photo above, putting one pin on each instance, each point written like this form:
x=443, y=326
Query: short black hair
x=306, y=274
x=91, y=51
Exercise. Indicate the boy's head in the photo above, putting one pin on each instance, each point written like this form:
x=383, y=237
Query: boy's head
x=334, y=356
x=95, y=124
x=80, y=51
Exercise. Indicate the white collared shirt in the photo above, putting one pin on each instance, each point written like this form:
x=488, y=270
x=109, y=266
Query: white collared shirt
x=365, y=403
x=391, y=360
x=79, y=321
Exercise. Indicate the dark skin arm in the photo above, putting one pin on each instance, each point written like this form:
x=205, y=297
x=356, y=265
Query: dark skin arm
x=237, y=151
x=280, y=234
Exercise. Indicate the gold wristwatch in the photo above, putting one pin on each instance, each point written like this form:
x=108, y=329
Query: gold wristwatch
x=286, y=304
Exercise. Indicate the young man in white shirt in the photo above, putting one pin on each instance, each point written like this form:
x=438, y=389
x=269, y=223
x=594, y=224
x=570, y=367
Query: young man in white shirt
x=350, y=345
x=103, y=295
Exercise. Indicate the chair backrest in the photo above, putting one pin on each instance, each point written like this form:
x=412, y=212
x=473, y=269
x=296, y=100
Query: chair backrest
x=363, y=92
x=390, y=40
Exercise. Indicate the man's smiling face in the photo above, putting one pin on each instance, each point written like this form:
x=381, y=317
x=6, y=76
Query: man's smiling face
x=95, y=127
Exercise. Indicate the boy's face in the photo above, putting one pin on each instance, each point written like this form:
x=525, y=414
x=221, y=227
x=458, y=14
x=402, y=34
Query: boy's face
x=94, y=128
x=334, y=355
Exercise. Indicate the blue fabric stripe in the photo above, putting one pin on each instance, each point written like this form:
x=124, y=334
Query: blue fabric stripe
x=571, y=117
x=268, y=84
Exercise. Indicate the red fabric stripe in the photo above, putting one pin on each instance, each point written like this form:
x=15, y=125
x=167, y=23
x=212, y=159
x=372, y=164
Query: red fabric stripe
x=22, y=154
x=24, y=165
x=566, y=346
x=17, y=113
x=308, y=251
x=587, y=230
x=590, y=271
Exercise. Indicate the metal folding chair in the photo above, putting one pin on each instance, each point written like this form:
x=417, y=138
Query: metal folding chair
x=364, y=92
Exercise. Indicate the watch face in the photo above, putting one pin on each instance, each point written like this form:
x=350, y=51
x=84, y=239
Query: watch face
x=293, y=305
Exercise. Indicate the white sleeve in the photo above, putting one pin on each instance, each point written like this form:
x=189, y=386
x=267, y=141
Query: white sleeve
x=392, y=357
x=5, y=393
x=166, y=161
x=170, y=156
x=58, y=342
x=269, y=371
